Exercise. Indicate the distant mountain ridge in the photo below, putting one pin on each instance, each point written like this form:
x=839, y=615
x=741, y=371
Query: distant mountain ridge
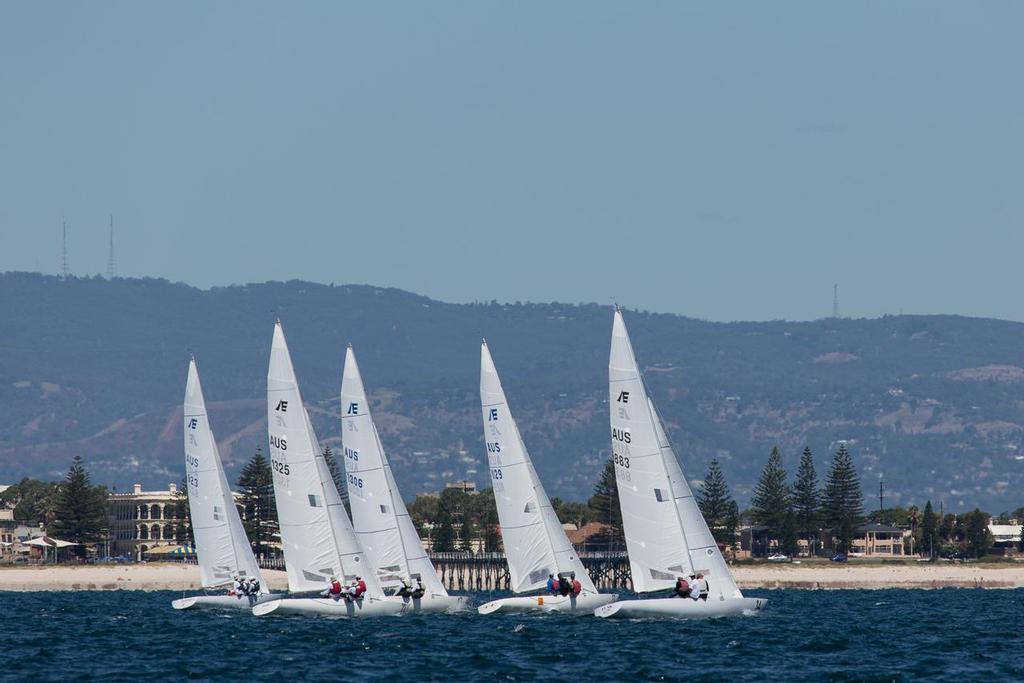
x=97, y=367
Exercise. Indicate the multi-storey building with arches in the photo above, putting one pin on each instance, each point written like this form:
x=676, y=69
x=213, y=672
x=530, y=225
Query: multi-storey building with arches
x=142, y=520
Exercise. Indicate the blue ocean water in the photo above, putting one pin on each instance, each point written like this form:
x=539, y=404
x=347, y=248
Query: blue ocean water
x=893, y=635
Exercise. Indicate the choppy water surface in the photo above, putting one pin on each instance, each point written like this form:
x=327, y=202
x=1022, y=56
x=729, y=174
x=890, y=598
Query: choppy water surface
x=944, y=635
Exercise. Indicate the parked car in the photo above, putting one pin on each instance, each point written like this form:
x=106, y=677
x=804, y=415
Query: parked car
x=779, y=557
x=839, y=557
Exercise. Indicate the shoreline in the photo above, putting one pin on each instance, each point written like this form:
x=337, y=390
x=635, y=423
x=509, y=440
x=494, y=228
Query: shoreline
x=804, y=576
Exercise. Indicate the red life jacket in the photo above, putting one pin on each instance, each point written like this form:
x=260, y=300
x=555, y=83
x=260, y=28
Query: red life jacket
x=335, y=587
x=682, y=585
x=360, y=588
x=577, y=587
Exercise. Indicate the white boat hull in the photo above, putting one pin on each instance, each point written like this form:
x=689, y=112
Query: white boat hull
x=581, y=604
x=679, y=608
x=433, y=604
x=222, y=601
x=367, y=607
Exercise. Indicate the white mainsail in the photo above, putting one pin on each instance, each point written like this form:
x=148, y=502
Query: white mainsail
x=316, y=534
x=221, y=544
x=535, y=543
x=379, y=515
x=666, y=535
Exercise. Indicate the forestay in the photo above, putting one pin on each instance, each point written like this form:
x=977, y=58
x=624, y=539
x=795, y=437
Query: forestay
x=316, y=534
x=535, y=543
x=382, y=523
x=220, y=539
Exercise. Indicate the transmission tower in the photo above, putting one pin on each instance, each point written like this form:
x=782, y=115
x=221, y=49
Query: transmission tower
x=64, y=251
x=111, y=262
x=835, y=300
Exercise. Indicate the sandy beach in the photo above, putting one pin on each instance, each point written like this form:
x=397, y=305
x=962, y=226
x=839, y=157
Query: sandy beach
x=806, y=575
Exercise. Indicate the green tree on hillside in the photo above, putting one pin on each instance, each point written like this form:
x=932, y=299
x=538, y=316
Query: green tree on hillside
x=770, y=504
x=843, y=507
x=81, y=514
x=716, y=504
x=257, y=500
x=807, y=498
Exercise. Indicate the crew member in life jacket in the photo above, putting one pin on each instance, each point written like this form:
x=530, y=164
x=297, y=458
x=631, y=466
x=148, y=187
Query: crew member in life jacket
x=333, y=589
x=564, y=584
x=420, y=590
x=702, y=587
x=356, y=590
x=682, y=589
x=405, y=590
x=254, y=586
x=577, y=587
x=237, y=589
x=552, y=584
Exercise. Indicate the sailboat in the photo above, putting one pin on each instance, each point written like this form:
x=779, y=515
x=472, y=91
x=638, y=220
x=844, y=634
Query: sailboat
x=221, y=544
x=666, y=535
x=535, y=542
x=316, y=534
x=382, y=523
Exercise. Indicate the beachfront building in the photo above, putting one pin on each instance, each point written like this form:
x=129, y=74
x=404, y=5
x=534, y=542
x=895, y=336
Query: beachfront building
x=877, y=540
x=141, y=521
x=1005, y=537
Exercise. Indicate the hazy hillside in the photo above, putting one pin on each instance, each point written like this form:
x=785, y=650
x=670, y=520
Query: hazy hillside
x=97, y=367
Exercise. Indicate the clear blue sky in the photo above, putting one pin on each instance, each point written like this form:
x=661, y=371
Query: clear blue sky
x=722, y=160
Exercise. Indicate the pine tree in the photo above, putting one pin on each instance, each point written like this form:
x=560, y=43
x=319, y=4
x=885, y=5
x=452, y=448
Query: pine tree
x=81, y=510
x=715, y=503
x=807, y=498
x=770, y=504
x=604, y=505
x=732, y=524
x=260, y=518
x=843, y=506
x=929, y=530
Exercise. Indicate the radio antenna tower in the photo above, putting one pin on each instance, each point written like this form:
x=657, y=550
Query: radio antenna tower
x=835, y=300
x=111, y=262
x=64, y=251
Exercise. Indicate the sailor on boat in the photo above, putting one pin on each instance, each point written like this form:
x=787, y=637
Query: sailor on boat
x=552, y=584
x=356, y=590
x=405, y=590
x=700, y=588
x=333, y=589
x=577, y=587
x=254, y=586
x=237, y=589
x=682, y=589
x=420, y=590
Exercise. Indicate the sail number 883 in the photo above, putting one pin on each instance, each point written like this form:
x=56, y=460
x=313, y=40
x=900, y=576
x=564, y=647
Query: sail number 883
x=622, y=461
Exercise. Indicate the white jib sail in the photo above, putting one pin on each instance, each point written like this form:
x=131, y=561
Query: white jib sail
x=705, y=557
x=221, y=544
x=666, y=536
x=535, y=543
x=379, y=515
x=316, y=534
